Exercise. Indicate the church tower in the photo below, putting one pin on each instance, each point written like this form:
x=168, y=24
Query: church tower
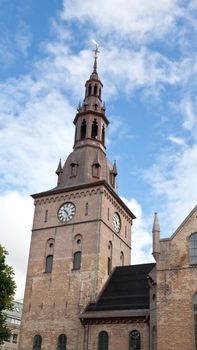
x=81, y=231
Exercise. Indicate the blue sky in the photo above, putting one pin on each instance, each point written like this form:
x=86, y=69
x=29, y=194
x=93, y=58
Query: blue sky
x=147, y=63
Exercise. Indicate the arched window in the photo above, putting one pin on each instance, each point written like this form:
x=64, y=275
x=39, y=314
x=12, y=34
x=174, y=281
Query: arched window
x=193, y=248
x=134, y=340
x=195, y=318
x=94, y=129
x=154, y=339
x=89, y=90
x=77, y=261
x=95, y=89
x=37, y=342
x=73, y=169
x=103, y=136
x=122, y=258
x=49, y=263
x=61, y=343
x=103, y=340
x=83, y=129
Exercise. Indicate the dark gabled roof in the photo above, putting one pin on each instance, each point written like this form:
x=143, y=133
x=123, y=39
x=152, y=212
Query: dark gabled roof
x=126, y=289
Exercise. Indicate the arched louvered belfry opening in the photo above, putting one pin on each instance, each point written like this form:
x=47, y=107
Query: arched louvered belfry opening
x=95, y=89
x=103, y=340
x=103, y=136
x=37, y=342
x=83, y=129
x=94, y=130
x=89, y=89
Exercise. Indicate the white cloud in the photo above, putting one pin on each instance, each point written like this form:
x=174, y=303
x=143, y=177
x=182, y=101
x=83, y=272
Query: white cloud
x=188, y=108
x=173, y=178
x=16, y=213
x=177, y=140
x=130, y=20
x=141, y=234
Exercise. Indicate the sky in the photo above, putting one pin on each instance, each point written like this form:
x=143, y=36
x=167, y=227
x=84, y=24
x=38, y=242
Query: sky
x=148, y=66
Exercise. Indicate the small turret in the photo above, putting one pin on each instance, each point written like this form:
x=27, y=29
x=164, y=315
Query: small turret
x=156, y=237
x=114, y=171
x=59, y=172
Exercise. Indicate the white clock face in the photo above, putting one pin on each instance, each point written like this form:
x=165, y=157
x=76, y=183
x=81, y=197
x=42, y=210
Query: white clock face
x=66, y=212
x=116, y=222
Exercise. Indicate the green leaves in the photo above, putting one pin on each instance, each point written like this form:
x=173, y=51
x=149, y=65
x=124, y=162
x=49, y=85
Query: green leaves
x=7, y=289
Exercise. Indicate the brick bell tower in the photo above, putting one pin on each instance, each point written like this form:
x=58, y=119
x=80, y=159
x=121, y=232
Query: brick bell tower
x=81, y=231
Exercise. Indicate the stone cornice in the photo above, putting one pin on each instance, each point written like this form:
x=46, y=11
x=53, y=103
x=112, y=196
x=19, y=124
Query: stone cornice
x=61, y=193
x=115, y=316
x=90, y=111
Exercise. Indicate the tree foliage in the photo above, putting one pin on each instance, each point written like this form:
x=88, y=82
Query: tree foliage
x=7, y=289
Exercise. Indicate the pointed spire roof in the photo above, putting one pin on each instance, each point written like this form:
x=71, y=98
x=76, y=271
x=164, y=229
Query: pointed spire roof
x=156, y=227
x=59, y=168
x=114, y=170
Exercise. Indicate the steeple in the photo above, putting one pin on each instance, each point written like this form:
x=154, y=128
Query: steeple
x=88, y=163
x=156, y=237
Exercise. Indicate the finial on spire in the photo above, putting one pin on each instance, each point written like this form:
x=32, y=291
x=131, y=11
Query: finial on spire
x=96, y=51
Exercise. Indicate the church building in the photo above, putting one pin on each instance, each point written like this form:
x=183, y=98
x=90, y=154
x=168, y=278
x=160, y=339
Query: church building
x=81, y=291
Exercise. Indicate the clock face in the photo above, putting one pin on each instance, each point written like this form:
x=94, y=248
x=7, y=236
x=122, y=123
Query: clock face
x=116, y=222
x=66, y=212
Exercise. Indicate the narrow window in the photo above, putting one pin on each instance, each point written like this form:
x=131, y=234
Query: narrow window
x=108, y=214
x=95, y=89
x=73, y=170
x=95, y=130
x=49, y=263
x=154, y=339
x=122, y=258
x=46, y=216
x=62, y=341
x=86, y=209
x=77, y=261
x=103, y=340
x=96, y=170
x=193, y=248
x=89, y=90
x=108, y=266
x=125, y=231
x=100, y=93
x=37, y=342
x=83, y=129
x=103, y=136
x=109, y=260
x=134, y=340
x=195, y=318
